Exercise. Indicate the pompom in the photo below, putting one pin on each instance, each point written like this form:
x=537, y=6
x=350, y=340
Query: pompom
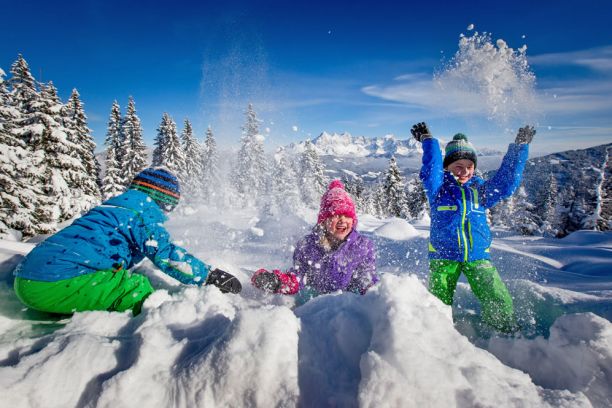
x=335, y=184
x=460, y=136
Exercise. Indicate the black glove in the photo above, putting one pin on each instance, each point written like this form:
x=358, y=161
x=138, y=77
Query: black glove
x=525, y=135
x=420, y=131
x=267, y=281
x=226, y=282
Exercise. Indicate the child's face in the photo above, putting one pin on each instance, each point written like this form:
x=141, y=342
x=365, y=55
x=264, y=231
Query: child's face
x=462, y=169
x=339, y=226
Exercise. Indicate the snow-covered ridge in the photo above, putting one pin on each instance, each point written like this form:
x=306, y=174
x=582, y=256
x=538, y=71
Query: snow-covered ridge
x=346, y=145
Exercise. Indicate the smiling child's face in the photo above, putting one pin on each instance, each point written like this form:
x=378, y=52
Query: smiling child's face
x=462, y=169
x=339, y=226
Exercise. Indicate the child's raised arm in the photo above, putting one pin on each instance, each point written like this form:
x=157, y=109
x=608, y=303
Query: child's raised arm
x=431, y=170
x=508, y=177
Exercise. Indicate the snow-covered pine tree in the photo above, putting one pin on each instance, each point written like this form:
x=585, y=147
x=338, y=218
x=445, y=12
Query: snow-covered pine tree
x=284, y=190
x=87, y=185
x=311, y=177
x=192, y=169
x=377, y=200
x=133, y=147
x=60, y=164
x=251, y=170
x=604, y=207
x=369, y=203
x=168, y=151
x=546, y=207
x=17, y=200
x=112, y=184
x=353, y=185
x=522, y=219
x=30, y=128
x=25, y=98
x=416, y=198
x=394, y=201
x=211, y=179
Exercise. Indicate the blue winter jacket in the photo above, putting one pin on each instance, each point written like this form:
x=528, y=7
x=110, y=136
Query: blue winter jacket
x=117, y=234
x=459, y=228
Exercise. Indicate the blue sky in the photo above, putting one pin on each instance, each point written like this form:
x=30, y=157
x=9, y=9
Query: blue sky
x=355, y=66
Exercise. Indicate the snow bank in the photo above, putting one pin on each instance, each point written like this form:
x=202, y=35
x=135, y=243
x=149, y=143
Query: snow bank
x=397, y=229
x=577, y=356
x=395, y=346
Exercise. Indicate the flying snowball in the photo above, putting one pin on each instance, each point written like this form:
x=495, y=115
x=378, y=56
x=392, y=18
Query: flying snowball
x=470, y=27
x=294, y=128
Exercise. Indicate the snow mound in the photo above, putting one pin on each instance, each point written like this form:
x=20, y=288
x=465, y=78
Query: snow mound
x=577, y=356
x=397, y=229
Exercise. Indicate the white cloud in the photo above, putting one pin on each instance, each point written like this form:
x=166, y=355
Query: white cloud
x=598, y=59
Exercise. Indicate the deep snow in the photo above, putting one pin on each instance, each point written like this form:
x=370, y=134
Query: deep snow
x=395, y=346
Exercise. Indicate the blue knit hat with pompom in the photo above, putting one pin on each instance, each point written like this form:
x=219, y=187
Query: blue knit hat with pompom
x=459, y=148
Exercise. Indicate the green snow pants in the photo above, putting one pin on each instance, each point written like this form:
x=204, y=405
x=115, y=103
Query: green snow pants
x=101, y=290
x=496, y=302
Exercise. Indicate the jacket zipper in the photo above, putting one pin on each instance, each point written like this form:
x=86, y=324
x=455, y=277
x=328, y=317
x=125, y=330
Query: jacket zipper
x=463, y=215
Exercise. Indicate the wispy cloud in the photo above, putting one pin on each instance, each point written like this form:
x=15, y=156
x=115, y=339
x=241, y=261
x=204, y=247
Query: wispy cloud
x=598, y=59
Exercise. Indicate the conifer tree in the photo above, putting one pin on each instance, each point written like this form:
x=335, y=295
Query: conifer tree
x=133, y=148
x=113, y=184
x=312, y=176
x=285, y=193
x=522, y=218
x=80, y=135
x=168, y=151
x=416, y=199
x=211, y=180
x=30, y=127
x=355, y=187
x=393, y=189
x=63, y=170
x=17, y=199
x=192, y=169
x=251, y=171
x=24, y=97
x=546, y=207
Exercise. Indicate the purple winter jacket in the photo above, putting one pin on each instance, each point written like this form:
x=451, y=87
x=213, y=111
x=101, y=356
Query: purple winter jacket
x=351, y=267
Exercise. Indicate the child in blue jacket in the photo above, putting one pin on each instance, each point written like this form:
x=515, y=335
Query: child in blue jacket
x=86, y=266
x=460, y=237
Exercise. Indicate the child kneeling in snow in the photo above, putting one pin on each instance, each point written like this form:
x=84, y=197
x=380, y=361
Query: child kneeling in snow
x=334, y=256
x=86, y=265
x=460, y=237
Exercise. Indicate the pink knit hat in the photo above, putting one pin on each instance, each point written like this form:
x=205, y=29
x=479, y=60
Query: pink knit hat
x=336, y=201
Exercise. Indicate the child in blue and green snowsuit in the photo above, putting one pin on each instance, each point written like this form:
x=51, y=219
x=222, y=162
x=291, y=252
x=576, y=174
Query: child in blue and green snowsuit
x=460, y=237
x=86, y=266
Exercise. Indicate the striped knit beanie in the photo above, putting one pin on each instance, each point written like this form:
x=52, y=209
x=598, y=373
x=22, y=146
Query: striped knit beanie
x=459, y=148
x=160, y=185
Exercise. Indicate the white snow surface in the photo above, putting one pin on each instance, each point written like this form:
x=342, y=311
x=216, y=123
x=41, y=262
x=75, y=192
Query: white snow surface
x=396, y=346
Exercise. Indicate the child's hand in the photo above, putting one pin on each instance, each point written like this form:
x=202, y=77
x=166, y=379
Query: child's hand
x=525, y=135
x=226, y=282
x=420, y=131
x=267, y=281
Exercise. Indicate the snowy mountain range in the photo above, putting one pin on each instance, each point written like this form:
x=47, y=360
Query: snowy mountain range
x=346, y=145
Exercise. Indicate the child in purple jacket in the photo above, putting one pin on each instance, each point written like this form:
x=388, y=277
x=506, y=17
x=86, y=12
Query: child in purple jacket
x=334, y=256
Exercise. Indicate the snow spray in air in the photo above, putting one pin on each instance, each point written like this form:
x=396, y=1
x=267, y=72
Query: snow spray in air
x=489, y=79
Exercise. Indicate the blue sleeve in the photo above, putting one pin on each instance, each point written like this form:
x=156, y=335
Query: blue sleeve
x=432, y=172
x=155, y=243
x=508, y=177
